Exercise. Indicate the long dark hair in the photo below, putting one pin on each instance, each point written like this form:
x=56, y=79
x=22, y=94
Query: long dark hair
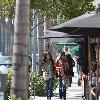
x=70, y=60
x=44, y=58
x=52, y=61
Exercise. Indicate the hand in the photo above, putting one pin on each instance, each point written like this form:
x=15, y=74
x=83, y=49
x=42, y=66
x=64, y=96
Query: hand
x=43, y=69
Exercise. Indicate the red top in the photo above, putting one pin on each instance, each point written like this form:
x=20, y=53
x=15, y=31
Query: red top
x=58, y=65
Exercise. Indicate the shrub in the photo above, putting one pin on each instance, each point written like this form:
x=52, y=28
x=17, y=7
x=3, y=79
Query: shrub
x=36, y=84
x=13, y=97
x=7, y=91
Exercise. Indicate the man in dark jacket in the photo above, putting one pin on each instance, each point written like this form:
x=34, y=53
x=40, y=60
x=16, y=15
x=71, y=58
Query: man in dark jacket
x=71, y=64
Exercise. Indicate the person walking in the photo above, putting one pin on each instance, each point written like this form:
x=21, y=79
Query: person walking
x=48, y=73
x=61, y=67
x=71, y=64
x=98, y=9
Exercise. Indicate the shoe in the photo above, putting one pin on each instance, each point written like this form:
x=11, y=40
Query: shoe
x=48, y=98
x=60, y=98
x=64, y=98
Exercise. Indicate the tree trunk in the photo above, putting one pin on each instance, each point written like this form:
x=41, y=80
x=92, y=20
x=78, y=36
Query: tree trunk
x=19, y=85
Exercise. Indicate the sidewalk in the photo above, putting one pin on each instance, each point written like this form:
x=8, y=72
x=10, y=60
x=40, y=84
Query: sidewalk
x=73, y=93
x=45, y=98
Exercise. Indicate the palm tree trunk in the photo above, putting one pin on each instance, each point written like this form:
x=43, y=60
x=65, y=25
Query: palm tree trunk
x=19, y=85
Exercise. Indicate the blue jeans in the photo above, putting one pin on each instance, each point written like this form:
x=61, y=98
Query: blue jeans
x=62, y=88
x=49, y=88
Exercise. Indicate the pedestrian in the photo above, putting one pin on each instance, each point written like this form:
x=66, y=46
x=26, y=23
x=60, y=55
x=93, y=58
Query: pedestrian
x=61, y=67
x=79, y=64
x=71, y=64
x=48, y=73
x=98, y=9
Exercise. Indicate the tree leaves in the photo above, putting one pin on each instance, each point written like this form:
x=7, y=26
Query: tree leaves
x=65, y=9
x=7, y=8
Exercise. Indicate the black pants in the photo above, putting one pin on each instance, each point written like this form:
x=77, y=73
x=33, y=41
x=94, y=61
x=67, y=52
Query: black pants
x=70, y=80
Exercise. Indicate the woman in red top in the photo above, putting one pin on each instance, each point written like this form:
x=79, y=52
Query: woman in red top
x=61, y=67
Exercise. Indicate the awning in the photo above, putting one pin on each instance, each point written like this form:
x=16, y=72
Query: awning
x=60, y=36
x=86, y=24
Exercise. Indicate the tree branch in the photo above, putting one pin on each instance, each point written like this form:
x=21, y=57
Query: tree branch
x=6, y=26
x=37, y=25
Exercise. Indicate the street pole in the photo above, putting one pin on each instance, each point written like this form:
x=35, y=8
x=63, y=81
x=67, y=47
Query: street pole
x=89, y=65
x=34, y=42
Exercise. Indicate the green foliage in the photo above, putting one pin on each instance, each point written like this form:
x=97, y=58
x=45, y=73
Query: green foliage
x=66, y=9
x=7, y=8
x=55, y=83
x=13, y=97
x=36, y=85
x=7, y=92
